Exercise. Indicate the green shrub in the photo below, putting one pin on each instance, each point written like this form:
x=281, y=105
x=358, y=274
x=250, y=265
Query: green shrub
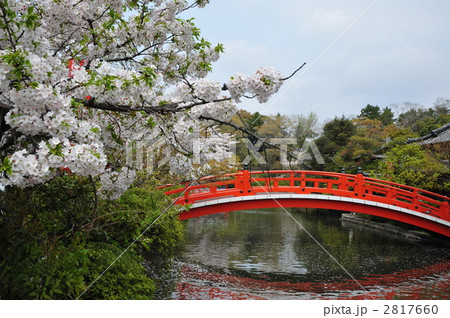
x=36, y=276
x=54, y=241
x=125, y=219
x=126, y=278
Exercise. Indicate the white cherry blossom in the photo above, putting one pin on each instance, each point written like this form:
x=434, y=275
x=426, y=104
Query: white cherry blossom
x=81, y=79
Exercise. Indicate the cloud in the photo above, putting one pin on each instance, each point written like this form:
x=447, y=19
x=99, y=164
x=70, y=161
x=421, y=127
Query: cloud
x=321, y=18
x=243, y=57
x=345, y=84
x=399, y=71
x=396, y=52
x=326, y=20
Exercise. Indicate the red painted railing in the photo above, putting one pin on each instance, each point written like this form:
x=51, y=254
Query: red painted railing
x=244, y=183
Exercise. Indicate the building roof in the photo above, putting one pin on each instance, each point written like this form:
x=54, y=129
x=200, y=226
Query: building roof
x=439, y=135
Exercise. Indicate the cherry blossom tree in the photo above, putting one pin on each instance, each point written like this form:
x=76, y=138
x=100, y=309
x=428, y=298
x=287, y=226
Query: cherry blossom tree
x=79, y=79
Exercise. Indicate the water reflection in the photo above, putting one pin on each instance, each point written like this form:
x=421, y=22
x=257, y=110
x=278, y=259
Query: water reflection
x=278, y=258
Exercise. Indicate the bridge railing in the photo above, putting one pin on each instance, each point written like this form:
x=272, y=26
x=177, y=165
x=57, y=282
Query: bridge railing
x=247, y=182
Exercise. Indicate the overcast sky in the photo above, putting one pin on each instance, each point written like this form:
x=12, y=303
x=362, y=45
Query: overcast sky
x=398, y=51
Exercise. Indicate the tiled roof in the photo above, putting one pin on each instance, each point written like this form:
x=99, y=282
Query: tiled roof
x=444, y=137
x=438, y=135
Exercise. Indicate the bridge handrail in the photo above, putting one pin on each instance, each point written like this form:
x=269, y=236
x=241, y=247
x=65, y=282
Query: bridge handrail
x=348, y=185
x=424, y=193
x=329, y=174
x=338, y=174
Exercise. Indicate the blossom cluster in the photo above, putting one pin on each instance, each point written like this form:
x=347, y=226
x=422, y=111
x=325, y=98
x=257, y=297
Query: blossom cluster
x=50, y=157
x=114, y=183
x=42, y=110
x=265, y=82
x=201, y=89
x=222, y=111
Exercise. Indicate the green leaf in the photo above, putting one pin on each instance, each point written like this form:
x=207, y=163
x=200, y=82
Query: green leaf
x=151, y=123
x=6, y=166
x=219, y=48
x=148, y=76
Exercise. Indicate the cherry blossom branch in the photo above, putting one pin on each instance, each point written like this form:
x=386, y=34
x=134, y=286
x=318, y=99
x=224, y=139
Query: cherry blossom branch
x=4, y=106
x=290, y=76
x=8, y=138
x=124, y=61
x=7, y=23
x=163, y=108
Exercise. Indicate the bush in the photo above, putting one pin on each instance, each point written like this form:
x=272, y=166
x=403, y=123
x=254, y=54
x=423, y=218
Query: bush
x=54, y=241
x=414, y=166
x=125, y=279
x=123, y=220
x=35, y=276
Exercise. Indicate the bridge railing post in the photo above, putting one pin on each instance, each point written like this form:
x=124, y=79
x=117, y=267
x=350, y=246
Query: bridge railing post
x=246, y=182
x=445, y=210
x=186, y=192
x=239, y=182
x=415, y=199
x=275, y=185
x=342, y=183
x=303, y=182
x=359, y=186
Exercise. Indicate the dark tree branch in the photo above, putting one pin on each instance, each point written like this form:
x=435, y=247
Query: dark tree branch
x=4, y=106
x=225, y=87
x=8, y=138
x=290, y=76
x=8, y=30
x=163, y=108
x=64, y=42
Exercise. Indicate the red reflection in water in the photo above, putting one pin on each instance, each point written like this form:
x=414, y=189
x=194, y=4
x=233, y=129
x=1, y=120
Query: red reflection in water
x=432, y=282
x=191, y=291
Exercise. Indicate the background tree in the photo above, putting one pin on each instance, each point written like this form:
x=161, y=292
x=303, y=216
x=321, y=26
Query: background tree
x=386, y=116
x=254, y=121
x=380, y=149
x=275, y=126
x=413, y=166
x=365, y=145
x=423, y=120
x=305, y=127
x=335, y=135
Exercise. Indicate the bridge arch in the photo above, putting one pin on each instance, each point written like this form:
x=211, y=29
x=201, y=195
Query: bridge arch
x=315, y=189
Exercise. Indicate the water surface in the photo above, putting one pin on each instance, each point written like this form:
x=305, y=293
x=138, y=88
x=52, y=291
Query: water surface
x=304, y=254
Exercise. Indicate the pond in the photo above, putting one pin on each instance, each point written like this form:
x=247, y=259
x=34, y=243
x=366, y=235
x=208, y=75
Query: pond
x=304, y=254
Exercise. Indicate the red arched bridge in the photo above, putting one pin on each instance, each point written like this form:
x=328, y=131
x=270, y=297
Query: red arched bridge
x=315, y=189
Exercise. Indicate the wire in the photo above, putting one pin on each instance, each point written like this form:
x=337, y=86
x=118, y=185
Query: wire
x=316, y=60
x=319, y=244
x=135, y=240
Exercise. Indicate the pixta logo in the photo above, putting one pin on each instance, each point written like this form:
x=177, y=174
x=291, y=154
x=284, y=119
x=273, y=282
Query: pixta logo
x=307, y=152
x=148, y=156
